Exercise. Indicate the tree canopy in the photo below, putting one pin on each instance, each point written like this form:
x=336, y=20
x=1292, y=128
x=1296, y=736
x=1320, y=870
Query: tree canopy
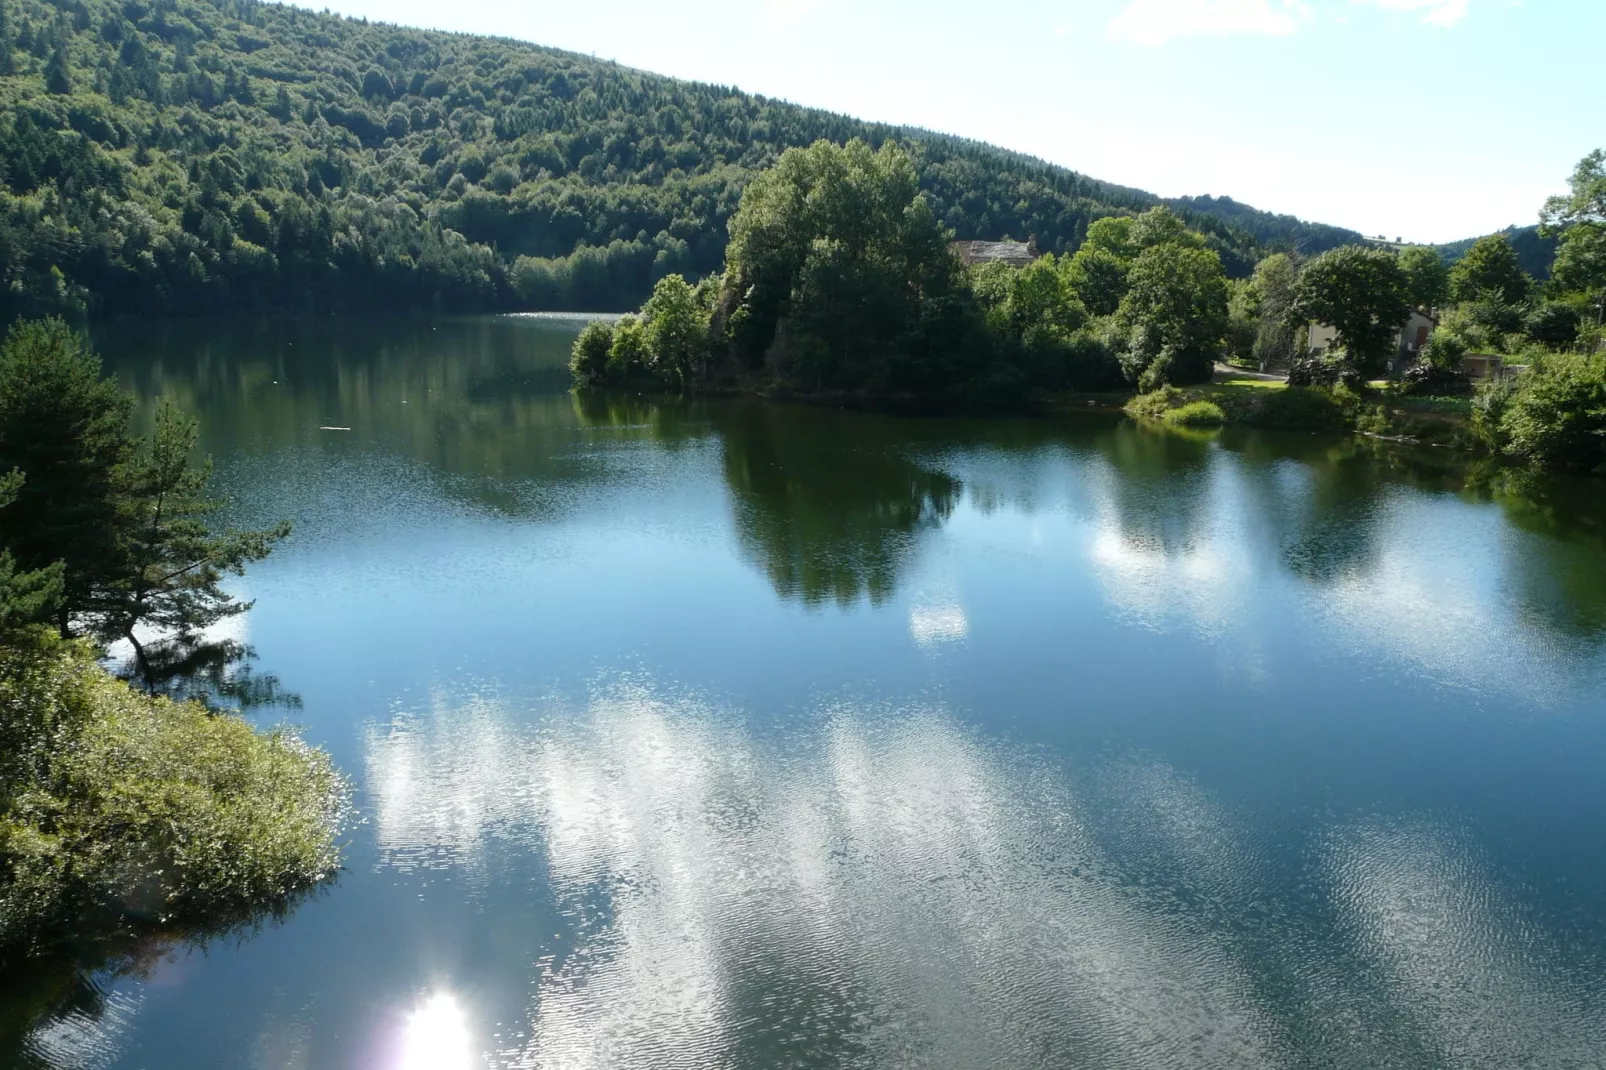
x=180, y=155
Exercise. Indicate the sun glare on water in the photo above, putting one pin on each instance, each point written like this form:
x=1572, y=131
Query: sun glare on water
x=437, y=1037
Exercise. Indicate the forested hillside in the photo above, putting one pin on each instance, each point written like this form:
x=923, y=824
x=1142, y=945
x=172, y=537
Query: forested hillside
x=187, y=157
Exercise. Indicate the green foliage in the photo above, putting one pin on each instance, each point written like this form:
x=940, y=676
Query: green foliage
x=839, y=277
x=589, y=359
x=1271, y=294
x=26, y=598
x=1363, y=294
x=1154, y=404
x=1174, y=316
x=248, y=156
x=1490, y=272
x=1098, y=277
x=66, y=430
x=1199, y=413
x=1293, y=409
x=176, y=563
x=1444, y=350
x=1555, y=415
x=677, y=331
x=1427, y=277
x=124, y=521
x=118, y=808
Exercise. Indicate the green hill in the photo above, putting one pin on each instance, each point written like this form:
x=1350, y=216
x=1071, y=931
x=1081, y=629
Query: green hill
x=187, y=157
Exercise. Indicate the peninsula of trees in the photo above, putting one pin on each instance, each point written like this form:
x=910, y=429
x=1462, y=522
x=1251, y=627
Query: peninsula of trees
x=840, y=282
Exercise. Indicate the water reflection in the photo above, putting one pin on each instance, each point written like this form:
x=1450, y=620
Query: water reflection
x=436, y=1037
x=71, y=1007
x=829, y=515
x=880, y=886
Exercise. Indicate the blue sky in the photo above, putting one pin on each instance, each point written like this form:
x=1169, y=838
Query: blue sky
x=1424, y=119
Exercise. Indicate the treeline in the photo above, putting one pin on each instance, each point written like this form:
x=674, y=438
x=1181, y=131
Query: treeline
x=183, y=157
x=839, y=280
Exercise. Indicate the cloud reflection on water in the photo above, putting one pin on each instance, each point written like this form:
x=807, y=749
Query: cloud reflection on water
x=885, y=887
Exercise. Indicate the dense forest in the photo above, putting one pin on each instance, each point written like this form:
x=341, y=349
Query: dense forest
x=176, y=156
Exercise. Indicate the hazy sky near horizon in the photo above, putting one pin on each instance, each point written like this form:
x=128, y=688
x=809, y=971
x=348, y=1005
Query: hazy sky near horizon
x=1429, y=120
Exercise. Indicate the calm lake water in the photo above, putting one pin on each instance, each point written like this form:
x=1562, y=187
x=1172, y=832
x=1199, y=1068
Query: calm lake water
x=726, y=734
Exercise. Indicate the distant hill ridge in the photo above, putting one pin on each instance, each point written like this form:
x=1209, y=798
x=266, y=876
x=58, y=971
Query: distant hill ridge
x=186, y=155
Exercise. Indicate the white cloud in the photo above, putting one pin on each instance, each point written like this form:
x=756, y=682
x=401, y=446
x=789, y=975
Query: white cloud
x=1434, y=12
x=1154, y=22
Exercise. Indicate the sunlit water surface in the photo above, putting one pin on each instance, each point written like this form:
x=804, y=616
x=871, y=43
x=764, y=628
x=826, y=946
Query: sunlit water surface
x=729, y=735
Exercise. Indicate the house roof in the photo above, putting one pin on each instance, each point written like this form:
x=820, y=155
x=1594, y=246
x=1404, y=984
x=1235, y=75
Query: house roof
x=1014, y=253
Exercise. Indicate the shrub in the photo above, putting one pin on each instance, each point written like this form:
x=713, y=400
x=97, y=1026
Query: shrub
x=1324, y=371
x=1199, y=413
x=1555, y=417
x=1426, y=379
x=138, y=811
x=1445, y=350
x=1155, y=404
x=1294, y=408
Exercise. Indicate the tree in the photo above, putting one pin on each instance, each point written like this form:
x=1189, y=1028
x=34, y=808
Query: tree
x=1363, y=294
x=25, y=597
x=1274, y=284
x=58, y=77
x=7, y=64
x=838, y=274
x=1098, y=278
x=1490, y=269
x=677, y=330
x=1581, y=263
x=588, y=359
x=176, y=563
x=65, y=429
x=1427, y=277
x=1586, y=202
x=1174, y=316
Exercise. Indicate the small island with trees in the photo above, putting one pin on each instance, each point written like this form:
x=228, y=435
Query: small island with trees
x=839, y=285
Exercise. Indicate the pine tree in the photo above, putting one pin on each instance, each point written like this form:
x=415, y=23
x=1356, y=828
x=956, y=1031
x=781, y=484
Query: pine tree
x=25, y=597
x=58, y=79
x=177, y=563
x=7, y=64
x=66, y=430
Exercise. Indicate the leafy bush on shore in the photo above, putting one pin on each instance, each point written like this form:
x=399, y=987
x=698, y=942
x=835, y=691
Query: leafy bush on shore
x=122, y=809
x=1553, y=416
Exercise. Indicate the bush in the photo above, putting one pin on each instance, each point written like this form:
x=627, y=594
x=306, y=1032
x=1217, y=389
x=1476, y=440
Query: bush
x=1428, y=379
x=1199, y=413
x=1155, y=404
x=122, y=808
x=1294, y=408
x=1324, y=371
x=1555, y=417
x=1445, y=350
x=1553, y=325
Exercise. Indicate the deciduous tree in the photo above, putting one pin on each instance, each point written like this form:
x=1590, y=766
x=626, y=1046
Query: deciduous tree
x=1361, y=293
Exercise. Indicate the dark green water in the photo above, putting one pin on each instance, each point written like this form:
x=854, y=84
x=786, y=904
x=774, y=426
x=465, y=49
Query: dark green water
x=733, y=735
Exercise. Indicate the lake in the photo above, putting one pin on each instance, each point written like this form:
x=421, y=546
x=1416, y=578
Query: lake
x=720, y=733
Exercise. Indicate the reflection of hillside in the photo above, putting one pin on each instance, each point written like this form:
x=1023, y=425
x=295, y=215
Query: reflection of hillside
x=827, y=511
x=483, y=401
